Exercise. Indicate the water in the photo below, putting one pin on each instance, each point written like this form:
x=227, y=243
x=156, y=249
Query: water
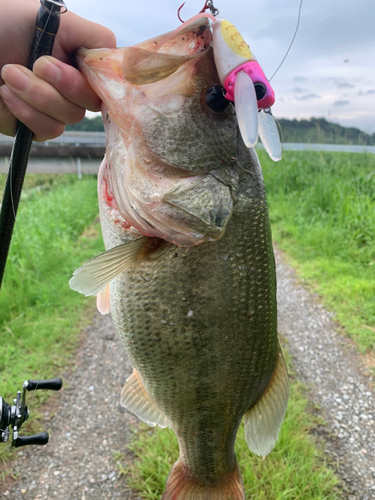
x=338, y=148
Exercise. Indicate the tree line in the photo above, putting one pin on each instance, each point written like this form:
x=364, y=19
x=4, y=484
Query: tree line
x=313, y=130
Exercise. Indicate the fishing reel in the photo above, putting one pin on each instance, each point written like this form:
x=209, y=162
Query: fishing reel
x=13, y=416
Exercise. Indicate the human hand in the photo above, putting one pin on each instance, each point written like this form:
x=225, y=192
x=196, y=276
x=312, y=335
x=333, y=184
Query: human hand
x=55, y=93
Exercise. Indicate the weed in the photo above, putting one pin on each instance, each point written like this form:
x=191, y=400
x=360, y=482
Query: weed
x=40, y=317
x=322, y=209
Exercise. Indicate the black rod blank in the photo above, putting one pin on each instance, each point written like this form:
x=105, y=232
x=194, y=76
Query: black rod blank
x=47, y=25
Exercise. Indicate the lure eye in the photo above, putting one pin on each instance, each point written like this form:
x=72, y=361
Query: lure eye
x=260, y=90
x=215, y=99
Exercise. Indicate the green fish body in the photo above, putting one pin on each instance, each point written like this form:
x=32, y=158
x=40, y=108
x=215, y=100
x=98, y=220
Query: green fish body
x=189, y=261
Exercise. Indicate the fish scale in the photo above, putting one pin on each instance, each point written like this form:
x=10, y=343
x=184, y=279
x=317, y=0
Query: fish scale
x=231, y=332
x=189, y=273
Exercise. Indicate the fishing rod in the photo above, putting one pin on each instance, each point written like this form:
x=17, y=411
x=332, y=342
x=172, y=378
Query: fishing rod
x=13, y=416
x=47, y=25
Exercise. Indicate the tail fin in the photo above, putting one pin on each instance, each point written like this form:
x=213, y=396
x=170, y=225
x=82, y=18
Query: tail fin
x=182, y=486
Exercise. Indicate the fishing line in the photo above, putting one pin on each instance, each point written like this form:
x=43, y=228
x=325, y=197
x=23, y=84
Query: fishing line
x=237, y=162
x=291, y=43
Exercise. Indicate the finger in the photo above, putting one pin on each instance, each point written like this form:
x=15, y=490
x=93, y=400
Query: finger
x=43, y=126
x=78, y=32
x=68, y=81
x=40, y=94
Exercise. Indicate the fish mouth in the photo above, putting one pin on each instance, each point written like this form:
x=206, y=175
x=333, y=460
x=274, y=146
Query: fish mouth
x=188, y=39
x=185, y=211
x=156, y=59
x=205, y=201
x=163, y=143
x=162, y=200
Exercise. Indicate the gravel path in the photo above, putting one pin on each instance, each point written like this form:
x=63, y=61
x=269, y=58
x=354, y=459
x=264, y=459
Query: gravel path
x=88, y=425
x=327, y=362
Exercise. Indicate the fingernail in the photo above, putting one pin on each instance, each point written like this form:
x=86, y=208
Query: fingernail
x=15, y=77
x=7, y=95
x=48, y=70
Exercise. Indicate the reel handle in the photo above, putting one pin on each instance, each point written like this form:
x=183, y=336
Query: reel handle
x=53, y=384
x=38, y=439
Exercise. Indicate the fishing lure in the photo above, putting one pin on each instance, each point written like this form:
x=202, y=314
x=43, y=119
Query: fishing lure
x=247, y=85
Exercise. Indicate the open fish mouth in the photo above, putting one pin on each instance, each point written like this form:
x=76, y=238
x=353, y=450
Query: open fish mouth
x=167, y=151
x=164, y=201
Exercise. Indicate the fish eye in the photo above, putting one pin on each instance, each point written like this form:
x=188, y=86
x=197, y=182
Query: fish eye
x=215, y=99
x=260, y=90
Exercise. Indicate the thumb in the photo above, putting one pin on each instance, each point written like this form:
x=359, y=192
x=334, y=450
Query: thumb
x=75, y=32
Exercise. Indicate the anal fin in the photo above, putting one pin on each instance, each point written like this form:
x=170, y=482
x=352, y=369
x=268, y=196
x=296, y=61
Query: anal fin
x=135, y=398
x=263, y=420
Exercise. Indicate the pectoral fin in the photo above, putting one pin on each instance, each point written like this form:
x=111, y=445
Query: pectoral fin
x=135, y=398
x=264, y=419
x=92, y=277
x=246, y=103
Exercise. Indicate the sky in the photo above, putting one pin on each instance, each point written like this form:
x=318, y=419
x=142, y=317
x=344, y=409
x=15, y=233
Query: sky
x=329, y=71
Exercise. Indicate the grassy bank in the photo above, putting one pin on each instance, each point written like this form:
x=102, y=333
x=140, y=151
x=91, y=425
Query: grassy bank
x=322, y=208
x=40, y=317
x=294, y=469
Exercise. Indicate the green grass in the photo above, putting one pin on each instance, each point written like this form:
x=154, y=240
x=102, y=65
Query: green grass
x=40, y=316
x=295, y=469
x=322, y=208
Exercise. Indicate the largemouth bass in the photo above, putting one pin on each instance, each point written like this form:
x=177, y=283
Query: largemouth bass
x=189, y=260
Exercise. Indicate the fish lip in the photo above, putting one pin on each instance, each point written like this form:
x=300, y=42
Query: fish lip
x=184, y=28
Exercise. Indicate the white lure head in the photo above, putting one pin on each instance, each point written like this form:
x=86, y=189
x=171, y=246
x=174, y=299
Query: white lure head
x=247, y=85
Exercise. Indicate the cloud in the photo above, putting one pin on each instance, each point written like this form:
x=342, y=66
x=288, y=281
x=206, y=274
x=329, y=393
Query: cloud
x=341, y=103
x=307, y=97
x=300, y=79
x=343, y=85
x=298, y=90
x=368, y=92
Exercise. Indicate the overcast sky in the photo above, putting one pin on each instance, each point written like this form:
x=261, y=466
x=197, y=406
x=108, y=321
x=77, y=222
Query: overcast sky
x=329, y=72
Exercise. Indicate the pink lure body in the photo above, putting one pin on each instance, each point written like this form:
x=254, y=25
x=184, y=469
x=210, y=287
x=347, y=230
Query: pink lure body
x=255, y=72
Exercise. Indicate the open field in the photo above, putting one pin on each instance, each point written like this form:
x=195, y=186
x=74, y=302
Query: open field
x=40, y=317
x=322, y=208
